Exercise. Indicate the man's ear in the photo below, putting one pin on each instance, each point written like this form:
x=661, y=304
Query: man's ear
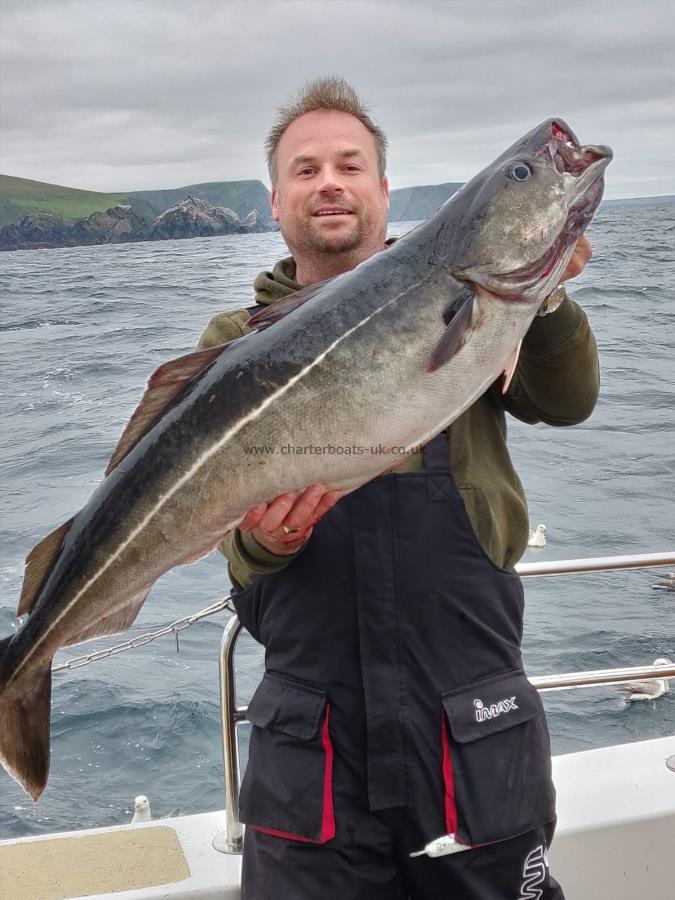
x=385, y=190
x=274, y=202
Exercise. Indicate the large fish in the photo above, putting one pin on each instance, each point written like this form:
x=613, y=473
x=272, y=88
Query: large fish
x=379, y=358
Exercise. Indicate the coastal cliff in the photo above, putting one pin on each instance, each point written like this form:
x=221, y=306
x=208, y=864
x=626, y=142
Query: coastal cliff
x=122, y=224
x=412, y=204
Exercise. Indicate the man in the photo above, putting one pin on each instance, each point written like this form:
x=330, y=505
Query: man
x=394, y=708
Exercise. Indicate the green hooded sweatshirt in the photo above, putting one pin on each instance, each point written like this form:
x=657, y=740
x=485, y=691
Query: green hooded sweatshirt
x=556, y=381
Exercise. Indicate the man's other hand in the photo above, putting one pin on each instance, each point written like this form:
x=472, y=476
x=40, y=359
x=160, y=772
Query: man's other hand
x=582, y=253
x=285, y=524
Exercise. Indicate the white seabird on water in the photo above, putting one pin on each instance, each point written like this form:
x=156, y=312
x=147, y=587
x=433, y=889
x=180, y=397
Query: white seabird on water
x=141, y=810
x=538, y=537
x=666, y=582
x=646, y=690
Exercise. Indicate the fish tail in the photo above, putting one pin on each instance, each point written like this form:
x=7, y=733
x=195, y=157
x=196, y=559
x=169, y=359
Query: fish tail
x=25, y=706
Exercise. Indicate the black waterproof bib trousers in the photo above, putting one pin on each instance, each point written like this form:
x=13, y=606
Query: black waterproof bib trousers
x=394, y=709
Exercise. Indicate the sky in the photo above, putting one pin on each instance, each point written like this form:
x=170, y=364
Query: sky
x=115, y=95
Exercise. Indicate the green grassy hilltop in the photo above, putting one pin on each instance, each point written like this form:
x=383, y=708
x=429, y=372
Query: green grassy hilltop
x=19, y=196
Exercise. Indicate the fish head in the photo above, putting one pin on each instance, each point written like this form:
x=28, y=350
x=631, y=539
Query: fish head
x=523, y=215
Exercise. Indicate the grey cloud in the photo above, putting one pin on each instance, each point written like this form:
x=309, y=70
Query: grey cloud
x=124, y=95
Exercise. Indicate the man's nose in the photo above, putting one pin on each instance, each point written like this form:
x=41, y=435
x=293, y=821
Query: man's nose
x=331, y=182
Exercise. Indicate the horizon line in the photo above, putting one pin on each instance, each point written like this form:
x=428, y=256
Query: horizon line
x=260, y=181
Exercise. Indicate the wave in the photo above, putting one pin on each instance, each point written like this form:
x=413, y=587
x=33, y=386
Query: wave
x=36, y=323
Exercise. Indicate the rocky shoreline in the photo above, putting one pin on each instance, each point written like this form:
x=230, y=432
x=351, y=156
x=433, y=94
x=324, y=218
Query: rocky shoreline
x=121, y=224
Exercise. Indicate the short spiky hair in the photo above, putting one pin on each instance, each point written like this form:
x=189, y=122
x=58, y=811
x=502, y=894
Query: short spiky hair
x=323, y=93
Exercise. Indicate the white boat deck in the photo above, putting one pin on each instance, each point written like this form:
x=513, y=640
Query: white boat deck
x=616, y=822
x=615, y=838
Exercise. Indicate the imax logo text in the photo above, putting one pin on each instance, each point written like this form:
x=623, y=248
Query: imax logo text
x=494, y=709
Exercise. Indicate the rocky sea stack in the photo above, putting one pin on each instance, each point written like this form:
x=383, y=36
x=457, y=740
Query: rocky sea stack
x=121, y=224
x=197, y=218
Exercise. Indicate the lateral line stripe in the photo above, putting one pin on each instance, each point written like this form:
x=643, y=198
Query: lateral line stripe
x=204, y=458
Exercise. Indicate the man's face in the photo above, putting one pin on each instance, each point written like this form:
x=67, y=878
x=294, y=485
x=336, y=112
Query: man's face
x=329, y=197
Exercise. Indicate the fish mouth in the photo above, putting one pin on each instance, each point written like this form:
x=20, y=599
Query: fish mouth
x=582, y=170
x=580, y=214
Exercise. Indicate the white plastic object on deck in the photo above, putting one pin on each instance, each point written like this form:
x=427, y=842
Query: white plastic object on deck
x=442, y=846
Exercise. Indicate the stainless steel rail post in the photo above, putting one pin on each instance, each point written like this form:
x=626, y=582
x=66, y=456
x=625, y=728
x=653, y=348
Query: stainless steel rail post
x=231, y=838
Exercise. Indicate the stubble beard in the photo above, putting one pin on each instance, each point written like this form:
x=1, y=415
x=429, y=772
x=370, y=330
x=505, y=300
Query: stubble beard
x=309, y=241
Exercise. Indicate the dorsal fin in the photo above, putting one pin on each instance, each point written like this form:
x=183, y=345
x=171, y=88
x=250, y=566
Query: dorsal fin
x=163, y=387
x=39, y=564
x=279, y=310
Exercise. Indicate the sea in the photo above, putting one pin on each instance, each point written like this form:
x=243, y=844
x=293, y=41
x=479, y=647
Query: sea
x=81, y=331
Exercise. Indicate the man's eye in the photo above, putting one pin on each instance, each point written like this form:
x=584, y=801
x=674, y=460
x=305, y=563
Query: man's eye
x=352, y=168
x=306, y=171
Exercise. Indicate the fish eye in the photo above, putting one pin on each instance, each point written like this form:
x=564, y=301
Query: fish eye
x=520, y=171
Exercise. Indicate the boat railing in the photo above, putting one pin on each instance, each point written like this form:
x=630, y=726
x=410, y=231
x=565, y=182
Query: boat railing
x=230, y=839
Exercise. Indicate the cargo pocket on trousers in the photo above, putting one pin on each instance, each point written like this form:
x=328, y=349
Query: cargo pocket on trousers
x=496, y=760
x=287, y=789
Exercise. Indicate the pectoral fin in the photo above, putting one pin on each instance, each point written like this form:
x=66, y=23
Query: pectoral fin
x=458, y=318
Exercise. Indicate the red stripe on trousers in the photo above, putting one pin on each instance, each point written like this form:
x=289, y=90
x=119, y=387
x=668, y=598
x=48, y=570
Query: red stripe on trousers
x=327, y=813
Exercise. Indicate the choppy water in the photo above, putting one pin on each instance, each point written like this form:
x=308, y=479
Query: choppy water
x=81, y=330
